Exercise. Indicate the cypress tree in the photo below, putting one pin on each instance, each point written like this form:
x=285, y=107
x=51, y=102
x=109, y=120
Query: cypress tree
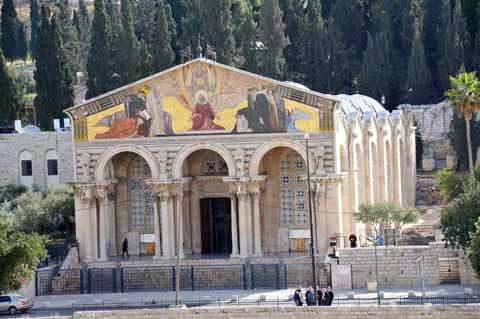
x=84, y=17
x=126, y=59
x=293, y=17
x=172, y=30
x=98, y=64
x=145, y=63
x=271, y=33
x=248, y=45
x=453, y=41
x=21, y=49
x=8, y=28
x=419, y=82
x=376, y=68
x=179, y=11
x=213, y=21
x=338, y=60
x=70, y=38
x=76, y=24
x=10, y=105
x=162, y=53
x=240, y=10
x=34, y=25
x=350, y=17
x=436, y=17
x=217, y=28
x=315, y=59
x=52, y=75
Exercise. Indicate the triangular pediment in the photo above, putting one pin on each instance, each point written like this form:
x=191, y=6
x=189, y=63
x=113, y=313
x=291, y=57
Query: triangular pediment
x=202, y=97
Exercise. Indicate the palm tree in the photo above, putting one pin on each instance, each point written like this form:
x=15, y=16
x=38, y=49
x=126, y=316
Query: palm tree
x=464, y=95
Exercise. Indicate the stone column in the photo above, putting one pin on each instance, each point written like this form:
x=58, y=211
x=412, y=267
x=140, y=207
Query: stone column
x=102, y=202
x=256, y=224
x=233, y=201
x=179, y=223
x=165, y=225
x=243, y=222
x=249, y=224
x=171, y=225
x=156, y=221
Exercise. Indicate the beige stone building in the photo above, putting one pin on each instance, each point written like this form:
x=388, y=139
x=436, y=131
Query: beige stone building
x=220, y=154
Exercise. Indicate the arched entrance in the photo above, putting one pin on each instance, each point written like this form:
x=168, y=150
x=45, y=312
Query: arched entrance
x=284, y=216
x=207, y=204
x=133, y=203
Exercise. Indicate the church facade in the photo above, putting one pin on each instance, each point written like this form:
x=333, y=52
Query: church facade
x=212, y=161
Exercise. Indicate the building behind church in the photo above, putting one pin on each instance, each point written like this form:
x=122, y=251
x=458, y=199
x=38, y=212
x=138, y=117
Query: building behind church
x=221, y=154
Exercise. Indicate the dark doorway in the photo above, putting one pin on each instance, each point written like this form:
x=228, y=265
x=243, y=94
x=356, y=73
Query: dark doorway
x=216, y=225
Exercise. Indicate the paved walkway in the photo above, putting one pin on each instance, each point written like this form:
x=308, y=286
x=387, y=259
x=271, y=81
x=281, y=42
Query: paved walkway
x=66, y=301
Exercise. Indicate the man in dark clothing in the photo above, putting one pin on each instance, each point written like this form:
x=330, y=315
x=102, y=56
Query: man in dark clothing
x=297, y=296
x=319, y=296
x=330, y=296
x=125, y=248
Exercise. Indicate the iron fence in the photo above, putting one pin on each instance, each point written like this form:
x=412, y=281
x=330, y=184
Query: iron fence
x=420, y=235
x=52, y=281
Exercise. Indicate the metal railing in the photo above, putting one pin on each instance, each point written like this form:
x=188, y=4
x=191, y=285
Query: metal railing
x=52, y=281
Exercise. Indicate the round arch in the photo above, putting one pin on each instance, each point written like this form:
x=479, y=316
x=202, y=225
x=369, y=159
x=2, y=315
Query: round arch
x=188, y=150
x=268, y=146
x=104, y=159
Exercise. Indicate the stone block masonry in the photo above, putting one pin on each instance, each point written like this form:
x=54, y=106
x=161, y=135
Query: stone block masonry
x=355, y=312
x=398, y=266
x=37, y=145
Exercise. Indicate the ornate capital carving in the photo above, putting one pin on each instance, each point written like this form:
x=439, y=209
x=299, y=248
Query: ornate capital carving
x=242, y=195
x=318, y=156
x=105, y=190
x=164, y=196
x=239, y=155
x=84, y=190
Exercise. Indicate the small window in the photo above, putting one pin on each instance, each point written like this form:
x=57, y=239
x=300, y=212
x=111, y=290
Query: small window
x=52, y=167
x=5, y=299
x=26, y=168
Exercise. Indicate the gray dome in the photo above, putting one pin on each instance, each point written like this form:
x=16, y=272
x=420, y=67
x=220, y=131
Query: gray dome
x=360, y=104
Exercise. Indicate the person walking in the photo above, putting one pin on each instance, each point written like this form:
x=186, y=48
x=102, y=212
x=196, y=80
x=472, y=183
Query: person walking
x=125, y=248
x=297, y=296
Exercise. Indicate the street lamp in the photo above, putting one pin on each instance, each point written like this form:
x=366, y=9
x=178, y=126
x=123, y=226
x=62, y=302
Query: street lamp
x=375, y=243
x=312, y=243
x=420, y=270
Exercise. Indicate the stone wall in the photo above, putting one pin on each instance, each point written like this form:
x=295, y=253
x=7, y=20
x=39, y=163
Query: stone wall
x=433, y=122
x=398, y=266
x=38, y=144
x=354, y=312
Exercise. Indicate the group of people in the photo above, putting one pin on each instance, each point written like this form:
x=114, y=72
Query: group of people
x=323, y=297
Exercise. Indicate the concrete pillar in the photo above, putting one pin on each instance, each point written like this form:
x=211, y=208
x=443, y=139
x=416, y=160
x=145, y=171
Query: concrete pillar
x=156, y=222
x=243, y=222
x=233, y=201
x=165, y=225
x=256, y=224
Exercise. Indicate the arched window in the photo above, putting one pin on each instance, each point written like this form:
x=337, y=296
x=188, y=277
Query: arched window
x=51, y=163
x=26, y=168
x=141, y=196
x=293, y=194
x=215, y=165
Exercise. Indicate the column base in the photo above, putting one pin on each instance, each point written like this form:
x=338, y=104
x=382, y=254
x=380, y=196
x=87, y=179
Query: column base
x=101, y=259
x=234, y=256
x=258, y=255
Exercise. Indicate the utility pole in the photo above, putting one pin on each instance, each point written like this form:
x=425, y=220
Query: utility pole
x=375, y=243
x=177, y=266
x=312, y=242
